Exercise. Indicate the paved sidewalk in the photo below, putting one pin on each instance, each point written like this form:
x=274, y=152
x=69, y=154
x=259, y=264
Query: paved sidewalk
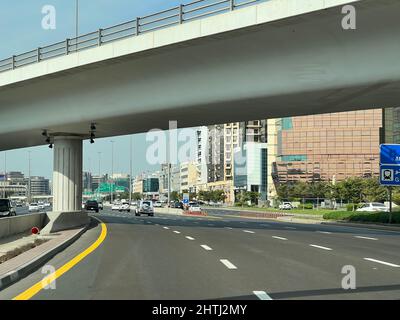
x=23, y=264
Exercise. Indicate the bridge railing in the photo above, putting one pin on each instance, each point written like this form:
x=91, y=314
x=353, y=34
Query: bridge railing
x=162, y=19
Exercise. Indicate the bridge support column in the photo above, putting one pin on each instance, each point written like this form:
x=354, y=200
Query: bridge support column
x=67, y=185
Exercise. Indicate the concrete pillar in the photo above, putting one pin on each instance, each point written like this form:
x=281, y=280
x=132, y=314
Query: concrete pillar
x=67, y=174
x=67, y=186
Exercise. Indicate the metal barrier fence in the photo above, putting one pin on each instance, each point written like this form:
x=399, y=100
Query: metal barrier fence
x=162, y=19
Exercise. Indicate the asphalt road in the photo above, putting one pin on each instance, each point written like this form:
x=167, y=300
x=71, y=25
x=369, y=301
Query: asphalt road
x=219, y=257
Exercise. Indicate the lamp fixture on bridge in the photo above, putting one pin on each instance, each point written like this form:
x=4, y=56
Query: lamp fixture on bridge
x=92, y=132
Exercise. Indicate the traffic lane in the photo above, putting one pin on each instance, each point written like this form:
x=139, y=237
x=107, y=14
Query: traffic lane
x=383, y=248
x=390, y=236
x=141, y=260
x=111, y=276
x=288, y=269
x=84, y=241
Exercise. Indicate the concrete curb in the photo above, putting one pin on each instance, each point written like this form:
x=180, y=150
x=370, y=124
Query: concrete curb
x=27, y=268
x=372, y=226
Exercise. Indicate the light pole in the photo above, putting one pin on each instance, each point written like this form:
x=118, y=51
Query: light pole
x=5, y=174
x=130, y=170
x=76, y=22
x=112, y=171
x=98, y=186
x=29, y=177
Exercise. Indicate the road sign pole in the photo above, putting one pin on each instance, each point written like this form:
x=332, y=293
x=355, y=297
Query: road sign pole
x=390, y=204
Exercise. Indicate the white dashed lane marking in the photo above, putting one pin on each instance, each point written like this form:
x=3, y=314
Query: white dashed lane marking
x=205, y=247
x=228, y=264
x=320, y=247
x=367, y=238
x=248, y=231
x=166, y=228
x=279, y=238
x=324, y=232
x=262, y=295
x=189, y=238
x=383, y=262
x=177, y=232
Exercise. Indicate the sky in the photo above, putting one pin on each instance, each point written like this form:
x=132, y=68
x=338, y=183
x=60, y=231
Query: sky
x=21, y=30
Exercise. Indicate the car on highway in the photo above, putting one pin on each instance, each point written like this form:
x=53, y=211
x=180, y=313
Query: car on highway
x=124, y=206
x=92, y=205
x=6, y=208
x=194, y=207
x=115, y=206
x=33, y=207
x=145, y=207
x=285, y=206
x=158, y=204
x=372, y=207
x=177, y=205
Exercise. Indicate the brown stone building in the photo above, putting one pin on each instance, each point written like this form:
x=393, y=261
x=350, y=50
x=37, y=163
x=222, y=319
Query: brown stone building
x=328, y=147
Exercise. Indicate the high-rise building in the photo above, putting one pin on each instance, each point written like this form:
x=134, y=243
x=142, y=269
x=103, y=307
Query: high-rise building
x=215, y=154
x=40, y=186
x=87, y=182
x=328, y=147
x=189, y=177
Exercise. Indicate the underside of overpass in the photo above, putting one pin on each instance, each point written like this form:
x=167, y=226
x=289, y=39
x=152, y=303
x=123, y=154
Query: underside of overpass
x=298, y=65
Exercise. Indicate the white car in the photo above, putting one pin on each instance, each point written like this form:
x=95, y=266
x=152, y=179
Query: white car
x=286, y=206
x=373, y=207
x=158, y=204
x=115, y=206
x=125, y=206
x=194, y=207
x=145, y=207
x=33, y=207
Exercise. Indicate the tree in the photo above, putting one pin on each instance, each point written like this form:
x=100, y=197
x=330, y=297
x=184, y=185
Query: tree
x=136, y=196
x=174, y=196
x=373, y=191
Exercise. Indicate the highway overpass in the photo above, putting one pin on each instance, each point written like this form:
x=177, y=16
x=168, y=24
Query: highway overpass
x=267, y=59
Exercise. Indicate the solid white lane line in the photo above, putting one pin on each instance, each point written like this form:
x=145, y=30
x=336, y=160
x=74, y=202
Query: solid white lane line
x=324, y=232
x=166, y=228
x=177, y=232
x=320, y=247
x=248, y=231
x=228, y=264
x=279, y=238
x=383, y=262
x=262, y=295
x=189, y=238
x=367, y=238
x=205, y=247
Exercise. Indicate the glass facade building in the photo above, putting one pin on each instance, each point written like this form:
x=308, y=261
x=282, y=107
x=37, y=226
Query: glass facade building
x=329, y=147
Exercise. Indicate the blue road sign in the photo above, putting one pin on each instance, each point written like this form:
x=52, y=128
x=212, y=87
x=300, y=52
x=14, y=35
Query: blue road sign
x=389, y=175
x=186, y=198
x=390, y=154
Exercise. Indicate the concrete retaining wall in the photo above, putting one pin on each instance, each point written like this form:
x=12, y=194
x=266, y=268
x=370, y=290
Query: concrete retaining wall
x=168, y=210
x=15, y=225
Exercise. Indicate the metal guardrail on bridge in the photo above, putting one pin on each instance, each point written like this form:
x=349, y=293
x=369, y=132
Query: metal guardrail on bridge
x=162, y=19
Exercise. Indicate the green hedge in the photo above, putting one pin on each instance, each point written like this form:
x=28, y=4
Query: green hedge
x=379, y=217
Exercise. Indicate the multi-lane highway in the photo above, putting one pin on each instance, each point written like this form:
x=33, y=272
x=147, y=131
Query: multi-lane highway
x=219, y=257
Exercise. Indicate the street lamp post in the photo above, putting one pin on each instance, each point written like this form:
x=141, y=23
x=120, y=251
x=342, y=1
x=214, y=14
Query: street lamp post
x=130, y=171
x=29, y=177
x=98, y=186
x=5, y=174
x=112, y=171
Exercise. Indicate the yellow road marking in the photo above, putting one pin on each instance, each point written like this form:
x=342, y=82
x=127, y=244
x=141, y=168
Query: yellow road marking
x=32, y=291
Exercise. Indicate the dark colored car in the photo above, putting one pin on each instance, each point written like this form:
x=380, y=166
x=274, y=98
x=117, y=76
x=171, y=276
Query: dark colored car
x=177, y=205
x=6, y=208
x=92, y=205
